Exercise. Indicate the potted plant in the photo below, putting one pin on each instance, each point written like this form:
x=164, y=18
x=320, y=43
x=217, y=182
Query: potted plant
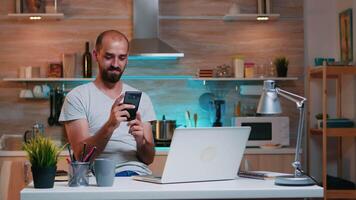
x=281, y=64
x=43, y=155
x=319, y=118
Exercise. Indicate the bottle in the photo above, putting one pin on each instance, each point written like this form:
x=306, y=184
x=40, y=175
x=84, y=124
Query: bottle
x=238, y=109
x=87, y=69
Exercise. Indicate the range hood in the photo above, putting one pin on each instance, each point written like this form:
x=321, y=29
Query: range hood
x=146, y=43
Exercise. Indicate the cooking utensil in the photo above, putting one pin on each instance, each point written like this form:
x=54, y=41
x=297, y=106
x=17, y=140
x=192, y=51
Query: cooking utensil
x=195, y=119
x=187, y=119
x=51, y=119
x=163, y=129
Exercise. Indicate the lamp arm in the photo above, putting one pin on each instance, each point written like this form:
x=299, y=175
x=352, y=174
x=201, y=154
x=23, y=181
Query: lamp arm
x=291, y=96
x=300, y=105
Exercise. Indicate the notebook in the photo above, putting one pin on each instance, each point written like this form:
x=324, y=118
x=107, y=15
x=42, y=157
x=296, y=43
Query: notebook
x=203, y=154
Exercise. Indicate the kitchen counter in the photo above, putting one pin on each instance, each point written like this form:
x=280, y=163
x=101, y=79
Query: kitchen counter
x=126, y=188
x=164, y=151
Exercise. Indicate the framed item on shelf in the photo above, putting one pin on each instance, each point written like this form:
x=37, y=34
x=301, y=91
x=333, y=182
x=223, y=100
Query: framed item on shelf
x=346, y=47
x=33, y=6
x=55, y=70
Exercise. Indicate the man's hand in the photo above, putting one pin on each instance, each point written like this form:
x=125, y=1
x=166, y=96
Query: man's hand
x=142, y=132
x=118, y=112
x=136, y=129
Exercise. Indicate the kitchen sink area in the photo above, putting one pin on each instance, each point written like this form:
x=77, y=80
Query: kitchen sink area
x=11, y=142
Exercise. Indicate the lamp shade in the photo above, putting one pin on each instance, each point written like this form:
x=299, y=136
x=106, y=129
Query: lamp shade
x=269, y=102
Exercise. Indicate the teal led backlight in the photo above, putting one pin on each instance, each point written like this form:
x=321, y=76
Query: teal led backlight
x=142, y=57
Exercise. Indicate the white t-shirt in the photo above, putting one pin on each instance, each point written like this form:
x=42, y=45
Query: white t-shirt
x=88, y=102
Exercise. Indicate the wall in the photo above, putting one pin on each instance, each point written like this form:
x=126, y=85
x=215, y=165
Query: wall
x=321, y=19
x=205, y=42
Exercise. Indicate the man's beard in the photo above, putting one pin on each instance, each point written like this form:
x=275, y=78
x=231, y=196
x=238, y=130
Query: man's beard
x=108, y=75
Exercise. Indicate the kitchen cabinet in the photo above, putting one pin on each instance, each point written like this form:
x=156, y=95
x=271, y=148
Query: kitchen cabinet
x=249, y=17
x=326, y=74
x=16, y=174
x=33, y=10
x=36, y=16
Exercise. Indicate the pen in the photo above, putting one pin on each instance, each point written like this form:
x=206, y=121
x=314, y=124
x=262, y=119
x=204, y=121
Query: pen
x=70, y=153
x=89, y=155
x=83, y=152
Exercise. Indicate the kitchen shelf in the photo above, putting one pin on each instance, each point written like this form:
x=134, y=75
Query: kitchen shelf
x=43, y=16
x=331, y=71
x=335, y=132
x=170, y=77
x=247, y=79
x=325, y=73
x=341, y=194
x=250, y=17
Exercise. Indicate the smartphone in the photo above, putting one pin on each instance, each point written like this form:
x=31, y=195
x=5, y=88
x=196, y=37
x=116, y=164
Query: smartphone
x=132, y=97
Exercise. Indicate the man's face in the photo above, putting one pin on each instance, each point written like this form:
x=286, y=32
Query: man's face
x=112, y=59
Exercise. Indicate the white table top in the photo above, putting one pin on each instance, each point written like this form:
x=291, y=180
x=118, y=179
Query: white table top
x=126, y=188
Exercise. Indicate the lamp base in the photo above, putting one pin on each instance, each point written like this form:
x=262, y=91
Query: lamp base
x=291, y=180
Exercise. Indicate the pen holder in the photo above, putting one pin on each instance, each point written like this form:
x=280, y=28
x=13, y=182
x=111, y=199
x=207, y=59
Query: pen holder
x=78, y=174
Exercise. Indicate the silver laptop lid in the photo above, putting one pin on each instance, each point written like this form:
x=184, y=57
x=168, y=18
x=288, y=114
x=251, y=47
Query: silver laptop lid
x=204, y=154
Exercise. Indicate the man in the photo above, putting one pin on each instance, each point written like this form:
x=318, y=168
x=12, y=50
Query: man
x=93, y=113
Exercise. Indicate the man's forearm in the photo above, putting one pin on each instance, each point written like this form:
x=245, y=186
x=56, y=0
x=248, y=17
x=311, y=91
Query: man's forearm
x=98, y=140
x=146, y=152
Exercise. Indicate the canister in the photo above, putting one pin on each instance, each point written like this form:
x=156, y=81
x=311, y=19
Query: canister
x=238, y=64
x=249, y=70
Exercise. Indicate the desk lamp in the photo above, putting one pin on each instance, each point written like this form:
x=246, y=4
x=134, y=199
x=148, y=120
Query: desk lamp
x=269, y=104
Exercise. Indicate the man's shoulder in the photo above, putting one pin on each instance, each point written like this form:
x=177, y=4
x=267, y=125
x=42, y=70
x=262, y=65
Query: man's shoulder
x=81, y=89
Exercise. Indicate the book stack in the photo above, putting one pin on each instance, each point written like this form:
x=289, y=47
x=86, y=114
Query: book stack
x=263, y=175
x=338, y=123
x=205, y=73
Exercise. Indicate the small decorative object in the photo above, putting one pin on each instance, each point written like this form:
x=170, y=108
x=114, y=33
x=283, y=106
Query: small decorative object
x=345, y=25
x=319, y=118
x=43, y=155
x=205, y=73
x=234, y=9
x=55, y=70
x=51, y=7
x=222, y=71
x=281, y=64
x=33, y=6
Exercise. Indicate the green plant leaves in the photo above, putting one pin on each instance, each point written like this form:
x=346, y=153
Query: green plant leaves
x=42, y=152
x=281, y=62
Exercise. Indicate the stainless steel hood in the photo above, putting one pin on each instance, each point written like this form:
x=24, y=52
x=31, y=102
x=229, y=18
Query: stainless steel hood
x=146, y=43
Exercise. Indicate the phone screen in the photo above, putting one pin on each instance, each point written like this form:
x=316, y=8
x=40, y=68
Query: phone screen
x=132, y=97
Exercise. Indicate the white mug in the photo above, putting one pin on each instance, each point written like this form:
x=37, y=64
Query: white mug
x=37, y=91
x=28, y=94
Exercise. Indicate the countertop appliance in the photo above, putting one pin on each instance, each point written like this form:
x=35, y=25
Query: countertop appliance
x=265, y=130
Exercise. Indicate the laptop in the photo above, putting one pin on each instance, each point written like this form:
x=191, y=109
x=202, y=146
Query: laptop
x=203, y=154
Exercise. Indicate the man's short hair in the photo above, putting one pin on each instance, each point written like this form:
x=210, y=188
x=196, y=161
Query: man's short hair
x=99, y=39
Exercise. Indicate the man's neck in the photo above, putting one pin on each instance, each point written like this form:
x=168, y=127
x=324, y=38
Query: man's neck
x=113, y=90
